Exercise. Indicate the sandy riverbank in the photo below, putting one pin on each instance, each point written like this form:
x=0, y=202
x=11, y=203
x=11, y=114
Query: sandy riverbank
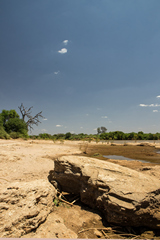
x=29, y=160
x=24, y=161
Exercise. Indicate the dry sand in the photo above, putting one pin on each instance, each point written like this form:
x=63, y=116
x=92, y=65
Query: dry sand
x=22, y=160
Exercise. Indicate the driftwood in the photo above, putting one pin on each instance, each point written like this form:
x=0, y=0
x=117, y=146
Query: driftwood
x=110, y=229
x=65, y=201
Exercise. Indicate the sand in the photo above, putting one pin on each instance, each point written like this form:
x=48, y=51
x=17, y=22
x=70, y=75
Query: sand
x=29, y=160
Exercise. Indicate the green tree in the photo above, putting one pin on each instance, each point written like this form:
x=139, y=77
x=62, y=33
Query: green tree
x=157, y=137
x=111, y=135
x=101, y=130
x=1, y=121
x=104, y=136
x=45, y=136
x=7, y=114
x=60, y=136
x=98, y=130
x=16, y=125
x=3, y=134
x=68, y=135
x=140, y=135
x=150, y=136
x=131, y=136
x=118, y=135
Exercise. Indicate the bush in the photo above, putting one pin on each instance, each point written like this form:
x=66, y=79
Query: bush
x=68, y=135
x=16, y=135
x=7, y=114
x=3, y=134
x=16, y=125
x=45, y=136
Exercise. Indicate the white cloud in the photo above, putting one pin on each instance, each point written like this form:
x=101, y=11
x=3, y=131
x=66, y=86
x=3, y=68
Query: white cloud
x=143, y=105
x=158, y=96
x=65, y=42
x=87, y=114
x=155, y=110
x=59, y=125
x=56, y=72
x=81, y=127
x=104, y=117
x=150, y=105
x=95, y=129
x=63, y=50
x=45, y=119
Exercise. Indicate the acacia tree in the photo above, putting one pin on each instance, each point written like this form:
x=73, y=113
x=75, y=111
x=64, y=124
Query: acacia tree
x=26, y=113
x=101, y=130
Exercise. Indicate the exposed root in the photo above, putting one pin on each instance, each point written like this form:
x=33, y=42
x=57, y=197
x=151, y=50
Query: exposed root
x=59, y=197
x=87, y=229
x=105, y=234
x=75, y=200
x=65, y=201
x=110, y=229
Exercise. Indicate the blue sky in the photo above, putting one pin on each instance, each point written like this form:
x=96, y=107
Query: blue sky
x=84, y=63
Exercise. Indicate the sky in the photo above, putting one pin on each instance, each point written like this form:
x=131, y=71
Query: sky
x=83, y=63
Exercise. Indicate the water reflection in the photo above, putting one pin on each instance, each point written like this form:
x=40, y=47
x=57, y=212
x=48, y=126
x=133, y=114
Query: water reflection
x=117, y=157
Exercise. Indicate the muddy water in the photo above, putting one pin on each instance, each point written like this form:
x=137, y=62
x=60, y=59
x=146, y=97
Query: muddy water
x=116, y=157
x=140, y=153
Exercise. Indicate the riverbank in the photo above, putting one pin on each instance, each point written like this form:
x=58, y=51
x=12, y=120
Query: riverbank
x=26, y=161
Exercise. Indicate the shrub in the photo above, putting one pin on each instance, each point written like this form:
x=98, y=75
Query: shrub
x=16, y=135
x=3, y=134
x=16, y=125
x=68, y=135
x=45, y=136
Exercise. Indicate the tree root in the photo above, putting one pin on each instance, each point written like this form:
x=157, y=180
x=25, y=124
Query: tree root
x=60, y=199
x=87, y=229
x=65, y=201
x=110, y=229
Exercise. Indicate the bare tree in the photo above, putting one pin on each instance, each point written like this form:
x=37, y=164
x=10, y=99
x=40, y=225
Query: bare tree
x=26, y=113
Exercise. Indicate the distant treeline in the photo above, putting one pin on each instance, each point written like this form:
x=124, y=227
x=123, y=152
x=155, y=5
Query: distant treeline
x=116, y=135
x=11, y=126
